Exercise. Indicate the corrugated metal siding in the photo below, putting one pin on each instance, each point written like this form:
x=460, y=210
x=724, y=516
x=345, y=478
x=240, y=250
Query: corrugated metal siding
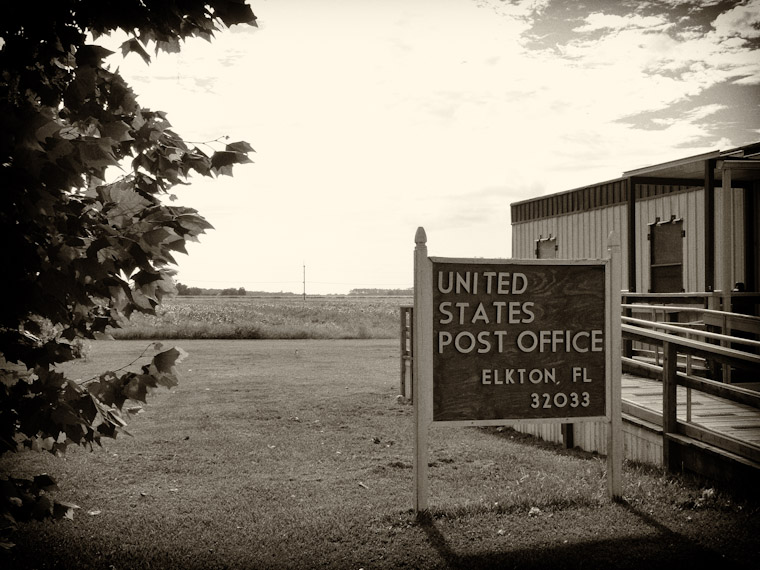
x=695, y=214
x=591, y=436
x=547, y=432
x=739, y=243
x=639, y=445
x=578, y=200
x=583, y=235
x=580, y=235
x=740, y=250
x=688, y=206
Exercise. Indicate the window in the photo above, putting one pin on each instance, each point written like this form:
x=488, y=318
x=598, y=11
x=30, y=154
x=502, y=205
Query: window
x=546, y=248
x=666, y=256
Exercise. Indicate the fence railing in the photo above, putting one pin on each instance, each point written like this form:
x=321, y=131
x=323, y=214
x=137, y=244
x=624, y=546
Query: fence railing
x=741, y=302
x=672, y=346
x=721, y=327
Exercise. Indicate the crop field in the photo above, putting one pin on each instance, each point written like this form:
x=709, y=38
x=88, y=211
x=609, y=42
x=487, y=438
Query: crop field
x=330, y=317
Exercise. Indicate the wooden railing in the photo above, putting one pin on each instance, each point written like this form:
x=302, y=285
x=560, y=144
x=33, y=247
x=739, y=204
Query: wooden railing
x=700, y=299
x=672, y=346
x=721, y=327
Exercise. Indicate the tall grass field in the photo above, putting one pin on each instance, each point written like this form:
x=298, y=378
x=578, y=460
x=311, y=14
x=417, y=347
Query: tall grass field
x=253, y=317
x=298, y=454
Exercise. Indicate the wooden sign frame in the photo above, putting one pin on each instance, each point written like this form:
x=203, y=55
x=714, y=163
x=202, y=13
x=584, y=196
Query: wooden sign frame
x=454, y=355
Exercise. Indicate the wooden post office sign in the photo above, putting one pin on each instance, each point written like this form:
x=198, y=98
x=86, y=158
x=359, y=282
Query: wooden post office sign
x=519, y=340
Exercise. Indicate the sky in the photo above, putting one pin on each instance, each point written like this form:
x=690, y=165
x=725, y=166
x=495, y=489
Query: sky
x=372, y=118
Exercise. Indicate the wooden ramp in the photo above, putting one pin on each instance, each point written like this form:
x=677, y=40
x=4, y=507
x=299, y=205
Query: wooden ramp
x=714, y=413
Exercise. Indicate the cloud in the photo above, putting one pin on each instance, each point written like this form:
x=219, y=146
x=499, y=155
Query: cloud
x=742, y=21
x=600, y=21
x=630, y=66
x=479, y=207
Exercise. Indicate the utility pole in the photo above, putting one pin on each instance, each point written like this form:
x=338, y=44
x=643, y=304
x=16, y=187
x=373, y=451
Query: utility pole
x=304, y=282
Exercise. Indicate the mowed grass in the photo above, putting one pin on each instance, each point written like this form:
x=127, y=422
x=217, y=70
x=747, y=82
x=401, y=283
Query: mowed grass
x=250, y=317
x=297, y=454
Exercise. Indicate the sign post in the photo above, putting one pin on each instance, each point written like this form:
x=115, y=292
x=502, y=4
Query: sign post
x=502, y=341
x=615, y=426
x=423, y=367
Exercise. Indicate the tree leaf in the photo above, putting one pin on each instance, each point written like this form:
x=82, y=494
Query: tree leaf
x=45, y=482
x=42, y=508
x=223, y=158
x=164, y=364
x=133, y=45
x=91, y=55
x=118, y=131
x=97, y=154
x=240, y=146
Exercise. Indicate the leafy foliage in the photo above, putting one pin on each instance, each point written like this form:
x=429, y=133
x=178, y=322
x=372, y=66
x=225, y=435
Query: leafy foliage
x=79, y=254
x=26, y=499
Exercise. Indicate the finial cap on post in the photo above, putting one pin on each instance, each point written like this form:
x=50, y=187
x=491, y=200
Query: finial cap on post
x=420, y=238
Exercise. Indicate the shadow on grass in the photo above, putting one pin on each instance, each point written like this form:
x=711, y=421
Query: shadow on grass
x=662, y=549
x=689, y=480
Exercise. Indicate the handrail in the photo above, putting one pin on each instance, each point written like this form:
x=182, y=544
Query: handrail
x=725, y=322
x=702, y=297
x=698, y=297
x=722, y=354
x=734, y=357
x=692, y=309
x=686, y=330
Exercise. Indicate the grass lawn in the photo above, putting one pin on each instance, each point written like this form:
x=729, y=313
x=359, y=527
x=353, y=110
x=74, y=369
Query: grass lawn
x=296, y=454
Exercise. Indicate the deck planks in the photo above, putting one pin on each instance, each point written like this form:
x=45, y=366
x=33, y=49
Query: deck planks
x=730, y=418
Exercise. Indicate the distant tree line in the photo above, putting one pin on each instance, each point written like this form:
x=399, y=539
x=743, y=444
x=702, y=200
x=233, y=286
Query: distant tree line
x=384, y=292
x=183, y=289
